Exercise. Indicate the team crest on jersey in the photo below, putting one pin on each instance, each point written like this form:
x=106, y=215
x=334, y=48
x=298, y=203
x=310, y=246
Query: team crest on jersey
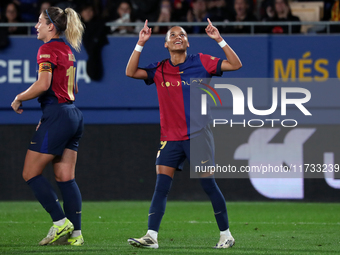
x=71, y=57
x=45, y=67
x=45, y=56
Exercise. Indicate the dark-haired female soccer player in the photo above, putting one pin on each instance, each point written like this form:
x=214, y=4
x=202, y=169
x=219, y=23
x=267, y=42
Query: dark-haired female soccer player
x=61, y=125
x=176, y=132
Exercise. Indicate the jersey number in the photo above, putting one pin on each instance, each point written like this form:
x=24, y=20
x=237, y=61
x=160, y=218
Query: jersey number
x=163, y=143
x=71, y=72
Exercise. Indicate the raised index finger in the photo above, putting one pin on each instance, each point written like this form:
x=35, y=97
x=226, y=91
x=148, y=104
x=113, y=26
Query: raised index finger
x=209, y=21
x=146, y=23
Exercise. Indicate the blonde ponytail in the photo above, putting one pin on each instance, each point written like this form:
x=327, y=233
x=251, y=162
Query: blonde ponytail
x=74, y=29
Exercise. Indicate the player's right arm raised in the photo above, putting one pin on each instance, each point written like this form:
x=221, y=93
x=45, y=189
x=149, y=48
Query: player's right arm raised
x=132, y=69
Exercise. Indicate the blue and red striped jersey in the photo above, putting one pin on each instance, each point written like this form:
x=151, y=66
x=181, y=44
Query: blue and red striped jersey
x=173, y=89
x=59, y=54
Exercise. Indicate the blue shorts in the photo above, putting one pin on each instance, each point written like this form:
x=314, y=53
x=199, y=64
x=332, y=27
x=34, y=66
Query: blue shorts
x=199, y=150
x=61, y=127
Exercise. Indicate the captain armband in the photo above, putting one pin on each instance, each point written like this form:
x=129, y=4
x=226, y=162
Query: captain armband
x=45, y=67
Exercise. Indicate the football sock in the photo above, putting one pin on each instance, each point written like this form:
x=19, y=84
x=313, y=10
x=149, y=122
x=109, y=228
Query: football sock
x=153, y=234
x=46, y=196
x=76, y=233
x=218, y=202
x=72, y=202
x=59, y=223
x=226, y=232
x=158, y=203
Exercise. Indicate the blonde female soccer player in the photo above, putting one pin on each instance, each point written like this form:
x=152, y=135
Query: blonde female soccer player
x=61, y=126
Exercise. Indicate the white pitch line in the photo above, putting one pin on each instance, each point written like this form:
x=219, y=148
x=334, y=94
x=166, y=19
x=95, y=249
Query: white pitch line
x=272, y=223
x=190, y=222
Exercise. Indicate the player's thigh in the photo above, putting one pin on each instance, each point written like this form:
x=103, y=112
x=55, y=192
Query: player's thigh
x=200, y=151
x=35, y=162
x=59, y=124
x=64, y=166
x=167, y=170
x=77, y=118
x=170, y=154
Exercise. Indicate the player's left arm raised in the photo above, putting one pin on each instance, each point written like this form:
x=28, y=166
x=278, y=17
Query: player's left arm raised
x=35, y=90
x=233, y=62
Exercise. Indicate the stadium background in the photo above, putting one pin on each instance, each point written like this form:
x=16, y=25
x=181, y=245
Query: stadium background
x=117, y=152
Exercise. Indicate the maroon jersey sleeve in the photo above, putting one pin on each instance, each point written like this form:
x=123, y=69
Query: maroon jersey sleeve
x=211, y=64
x=46, y=54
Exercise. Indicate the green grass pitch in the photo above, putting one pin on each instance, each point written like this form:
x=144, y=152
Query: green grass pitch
x=187, y=228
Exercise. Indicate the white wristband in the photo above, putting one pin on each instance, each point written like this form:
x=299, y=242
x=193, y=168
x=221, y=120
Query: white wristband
x=222, y=43
x=138, y=48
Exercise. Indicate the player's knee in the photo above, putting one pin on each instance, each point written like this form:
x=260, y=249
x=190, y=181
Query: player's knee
x=27, y=175
x=208, y=184
x=163, y=184
x=64, y=178
x=164, y=189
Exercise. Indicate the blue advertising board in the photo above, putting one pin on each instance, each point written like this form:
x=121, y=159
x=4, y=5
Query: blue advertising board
x=299, y=60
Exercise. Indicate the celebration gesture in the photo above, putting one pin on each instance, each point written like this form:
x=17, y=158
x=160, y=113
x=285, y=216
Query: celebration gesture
x=144, y=34
x=213, y=32
x=171, y=77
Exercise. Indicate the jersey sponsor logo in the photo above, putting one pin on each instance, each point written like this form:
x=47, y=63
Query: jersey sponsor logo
x=203, y=162
x=168, y=84
x=33, y=142
x=45, y=67
x=45, y=56
x=71, y=57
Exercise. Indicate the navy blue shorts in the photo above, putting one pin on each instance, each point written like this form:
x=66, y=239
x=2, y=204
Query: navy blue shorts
x=61, y=127
x=199, y=150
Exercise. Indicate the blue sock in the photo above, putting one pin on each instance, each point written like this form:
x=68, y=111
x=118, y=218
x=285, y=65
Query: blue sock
x=158, y=203
x=72, y=202
x=47, y=197
x=218, y=202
